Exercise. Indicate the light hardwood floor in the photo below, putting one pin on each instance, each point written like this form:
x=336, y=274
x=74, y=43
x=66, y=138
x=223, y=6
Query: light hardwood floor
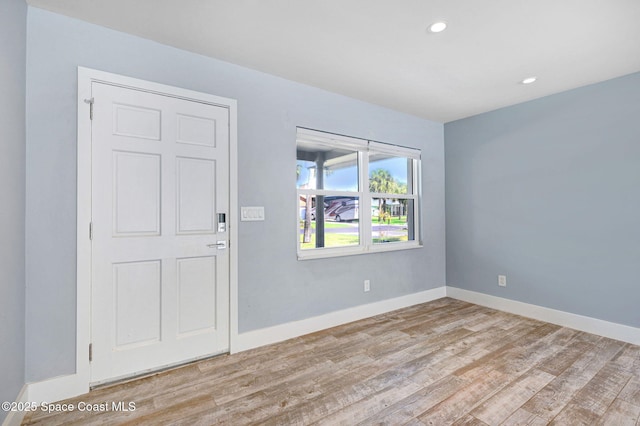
x=439, y=363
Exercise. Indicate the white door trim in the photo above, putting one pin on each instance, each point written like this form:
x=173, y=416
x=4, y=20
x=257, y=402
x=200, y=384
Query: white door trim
x=86, y=77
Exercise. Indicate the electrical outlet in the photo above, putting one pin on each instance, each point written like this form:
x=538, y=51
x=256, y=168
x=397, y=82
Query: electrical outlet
x=367, y=285
x=502, y=280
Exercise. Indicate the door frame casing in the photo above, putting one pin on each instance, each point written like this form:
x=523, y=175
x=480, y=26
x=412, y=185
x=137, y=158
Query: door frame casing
x=86, y=77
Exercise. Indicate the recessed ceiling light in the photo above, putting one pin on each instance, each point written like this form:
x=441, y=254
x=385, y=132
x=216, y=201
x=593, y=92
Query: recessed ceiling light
x=529, y=80
x=437, y=27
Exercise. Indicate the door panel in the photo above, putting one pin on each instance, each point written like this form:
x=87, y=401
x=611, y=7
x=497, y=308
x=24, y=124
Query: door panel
x=160, y=285
x=195, y=295
x=137, y=122
x=196, y=130
x=137, y=288
x=136, y=192
x=196, y=201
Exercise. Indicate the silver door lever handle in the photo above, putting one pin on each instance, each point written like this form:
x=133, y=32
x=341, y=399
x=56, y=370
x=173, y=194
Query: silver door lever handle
x=220, y=245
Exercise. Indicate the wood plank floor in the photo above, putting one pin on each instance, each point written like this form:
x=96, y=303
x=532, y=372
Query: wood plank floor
x=439, y=363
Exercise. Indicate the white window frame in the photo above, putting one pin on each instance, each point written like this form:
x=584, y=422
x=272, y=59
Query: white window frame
x=363, y=147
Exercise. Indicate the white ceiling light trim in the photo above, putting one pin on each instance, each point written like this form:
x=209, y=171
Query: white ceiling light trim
x=438, y=27
x=529, y=80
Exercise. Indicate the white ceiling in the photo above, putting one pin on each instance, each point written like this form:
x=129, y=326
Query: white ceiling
x=380, y=50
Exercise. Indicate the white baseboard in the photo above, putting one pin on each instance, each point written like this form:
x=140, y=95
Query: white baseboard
x=279, y=333
x=612, y=330
x=58, y=388
x=14, y=418
x=50, y=390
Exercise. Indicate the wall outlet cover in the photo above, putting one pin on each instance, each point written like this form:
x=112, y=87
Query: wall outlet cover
x=502, y=280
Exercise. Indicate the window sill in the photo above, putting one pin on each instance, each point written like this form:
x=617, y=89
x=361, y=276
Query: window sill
x=323, y=253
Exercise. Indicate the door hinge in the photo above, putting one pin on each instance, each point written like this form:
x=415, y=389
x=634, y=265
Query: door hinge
x=90, y=352
x=90, y=102
x=90, y=231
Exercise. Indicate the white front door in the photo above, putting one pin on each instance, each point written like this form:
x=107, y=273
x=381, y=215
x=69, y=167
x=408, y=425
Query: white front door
x=160, y=203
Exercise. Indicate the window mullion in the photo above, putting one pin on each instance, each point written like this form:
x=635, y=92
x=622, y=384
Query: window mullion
x=417, y=204
x=365, y=200
x=393, y=196
x=328, y=192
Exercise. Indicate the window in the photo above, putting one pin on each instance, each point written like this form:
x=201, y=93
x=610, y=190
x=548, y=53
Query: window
x=355, y=196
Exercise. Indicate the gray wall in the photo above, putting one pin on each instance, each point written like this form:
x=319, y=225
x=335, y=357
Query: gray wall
x=548, y=193
x=13, y=35
x=274, y=287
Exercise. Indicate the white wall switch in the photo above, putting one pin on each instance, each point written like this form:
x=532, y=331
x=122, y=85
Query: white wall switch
x=251, y=213
x=502, y=280
x=367, y=285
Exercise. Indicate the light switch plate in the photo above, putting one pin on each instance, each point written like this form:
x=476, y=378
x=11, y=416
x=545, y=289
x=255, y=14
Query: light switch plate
x=251, y=213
